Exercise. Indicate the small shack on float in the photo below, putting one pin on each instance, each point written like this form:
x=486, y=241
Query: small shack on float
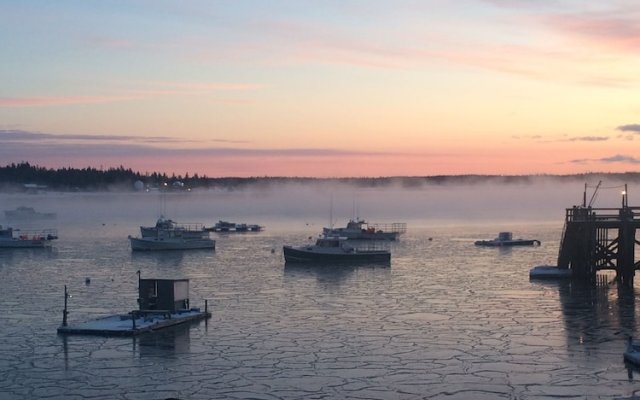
x=161, y=303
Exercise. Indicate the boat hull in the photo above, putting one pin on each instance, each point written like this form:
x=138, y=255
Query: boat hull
x=301, y=255
x=632, y=354
x=153, y=244
x=507, y=243
x=549, y=272
x=24, y=244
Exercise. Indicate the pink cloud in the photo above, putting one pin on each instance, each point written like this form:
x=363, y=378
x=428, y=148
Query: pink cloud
x=609, y=31
x=161, y=89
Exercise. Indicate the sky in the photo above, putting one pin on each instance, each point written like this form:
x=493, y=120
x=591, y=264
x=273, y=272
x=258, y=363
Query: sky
x=322, y=88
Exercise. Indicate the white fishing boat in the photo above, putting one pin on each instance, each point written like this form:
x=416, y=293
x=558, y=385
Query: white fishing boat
x=19, y=238
x=169, y=235
x=335, y=250
x=632, y=353
x=549, y=272
x=359, y=229
x=506, y=239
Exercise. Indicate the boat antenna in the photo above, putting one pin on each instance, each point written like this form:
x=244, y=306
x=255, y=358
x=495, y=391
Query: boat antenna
x=331, y=212
x=355, y=210
x=595, y=193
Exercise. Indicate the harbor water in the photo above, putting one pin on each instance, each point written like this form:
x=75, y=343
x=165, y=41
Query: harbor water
x=446, y=320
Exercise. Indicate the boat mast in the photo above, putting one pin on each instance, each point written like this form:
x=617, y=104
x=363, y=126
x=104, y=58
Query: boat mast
x=331, y=212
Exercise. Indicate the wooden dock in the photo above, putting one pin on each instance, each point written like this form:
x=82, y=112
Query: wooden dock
x=597, y=239
x=163, y=303
x=134, y=323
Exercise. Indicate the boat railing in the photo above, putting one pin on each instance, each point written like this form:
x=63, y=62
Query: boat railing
x=190, y=226
x=35, y=234
x=395, y=227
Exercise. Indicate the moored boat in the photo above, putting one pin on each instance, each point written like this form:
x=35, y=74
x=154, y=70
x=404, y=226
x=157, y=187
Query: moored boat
x=19, y=238
x=335, y=250
x=28, y=213
x=359, y=229
x=169, y=235
x=549, y=272
x=632, y=353
x=506, y=239
x=232, y=227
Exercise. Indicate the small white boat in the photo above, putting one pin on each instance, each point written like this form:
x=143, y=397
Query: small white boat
x=632, y=353
x=335, y=250
x=19, y=238
x=169, y=235
x=506, y=239
x=359, y=229
x=549, y=272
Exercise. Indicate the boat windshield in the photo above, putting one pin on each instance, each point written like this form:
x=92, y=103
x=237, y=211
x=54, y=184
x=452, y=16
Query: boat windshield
x=323, y=242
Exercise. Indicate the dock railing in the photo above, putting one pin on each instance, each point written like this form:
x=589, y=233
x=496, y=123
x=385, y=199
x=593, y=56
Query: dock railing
x=588, y=214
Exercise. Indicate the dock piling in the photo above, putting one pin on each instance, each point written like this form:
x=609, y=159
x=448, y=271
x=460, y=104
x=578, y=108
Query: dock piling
x=595, y=239
x=65, y=312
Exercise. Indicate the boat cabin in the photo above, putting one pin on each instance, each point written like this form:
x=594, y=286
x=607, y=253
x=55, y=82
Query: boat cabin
x=503, y=236
x=328, y=242
x=163, y=294
x=6, y=233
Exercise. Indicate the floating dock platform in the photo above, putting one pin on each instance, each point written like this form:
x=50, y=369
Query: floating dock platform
x=163, y=303
x=134, y=323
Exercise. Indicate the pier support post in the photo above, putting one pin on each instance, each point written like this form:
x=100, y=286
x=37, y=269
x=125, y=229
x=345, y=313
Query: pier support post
x=65, y=312
x=627, y=242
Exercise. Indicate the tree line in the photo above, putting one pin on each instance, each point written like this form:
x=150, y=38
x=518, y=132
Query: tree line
x=16, y=176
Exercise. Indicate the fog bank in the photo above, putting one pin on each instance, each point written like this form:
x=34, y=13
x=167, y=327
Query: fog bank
x=290, y=204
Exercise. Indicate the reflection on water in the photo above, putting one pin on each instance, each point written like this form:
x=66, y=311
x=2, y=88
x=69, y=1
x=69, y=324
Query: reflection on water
x=9, y=256
x=159, y=258
x=166, y=342
x=597, y=316
x=332, y=275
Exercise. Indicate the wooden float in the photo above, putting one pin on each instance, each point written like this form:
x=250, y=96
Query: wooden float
x=162, y=303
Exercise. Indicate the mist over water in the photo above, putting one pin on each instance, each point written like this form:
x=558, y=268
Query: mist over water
x=287, y=205
x=447, y=319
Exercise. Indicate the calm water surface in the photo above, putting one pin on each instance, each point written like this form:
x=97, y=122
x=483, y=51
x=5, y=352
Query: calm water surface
x=445, y=320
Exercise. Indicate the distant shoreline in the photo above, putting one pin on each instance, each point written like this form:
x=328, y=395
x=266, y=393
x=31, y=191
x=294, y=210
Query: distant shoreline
x=26, y=177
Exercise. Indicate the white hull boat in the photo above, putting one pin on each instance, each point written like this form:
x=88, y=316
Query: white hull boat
x=549, y=272
x=505, y=239
x=632, y=354
x=169, y=235
x=26, y=239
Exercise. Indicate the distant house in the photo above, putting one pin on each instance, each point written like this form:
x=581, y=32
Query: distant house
x=34, y=188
